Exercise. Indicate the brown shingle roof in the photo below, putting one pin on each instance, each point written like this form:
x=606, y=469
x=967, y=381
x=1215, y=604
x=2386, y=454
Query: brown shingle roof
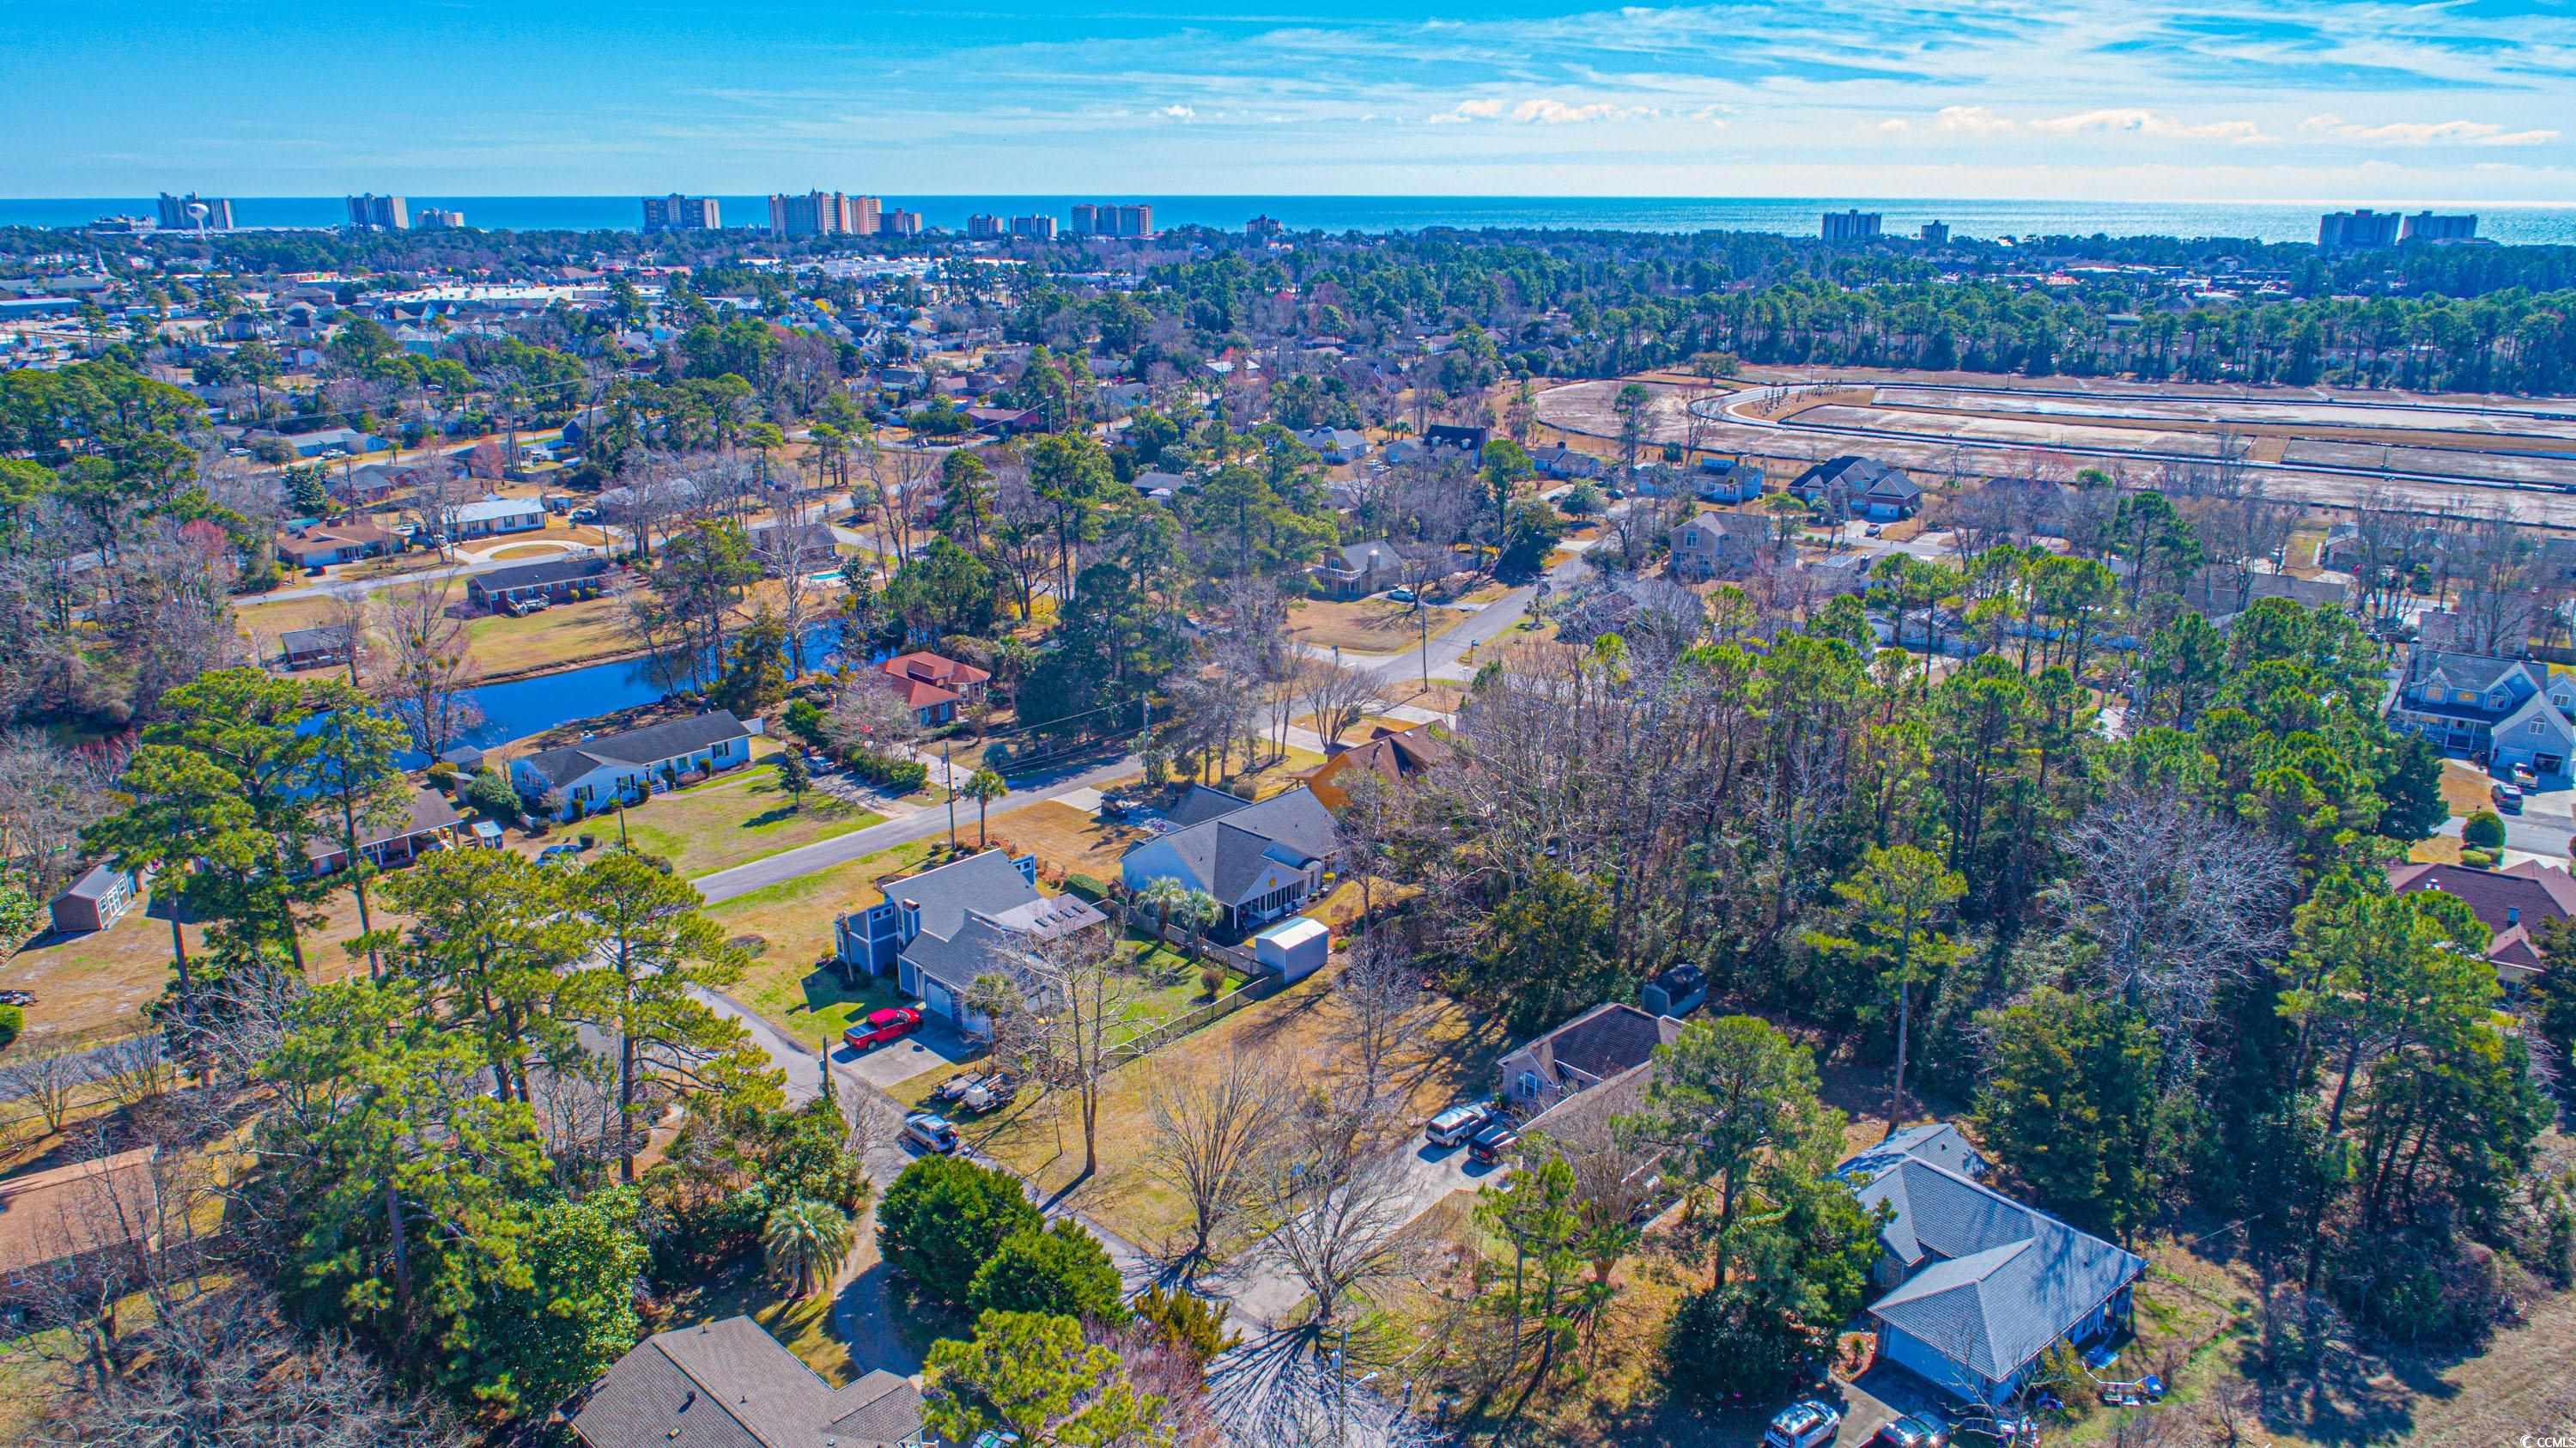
x=65, y=1211
x=2512, y=901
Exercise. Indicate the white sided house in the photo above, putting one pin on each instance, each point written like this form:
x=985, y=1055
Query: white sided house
x=489, y=516
x=935, y=932
x=639, y=763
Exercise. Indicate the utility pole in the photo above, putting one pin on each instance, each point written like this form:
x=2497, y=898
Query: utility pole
x=948, y=782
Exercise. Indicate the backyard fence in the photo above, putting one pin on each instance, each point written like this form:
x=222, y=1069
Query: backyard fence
x=1154, y=1039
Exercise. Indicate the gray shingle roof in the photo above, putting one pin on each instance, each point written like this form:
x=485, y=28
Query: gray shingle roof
x=1937, y=1142
x=728, y=1384
x=972, y=911
x=639, y=747
x=536, y=575
x=1231, y=853
x=2003, y=1280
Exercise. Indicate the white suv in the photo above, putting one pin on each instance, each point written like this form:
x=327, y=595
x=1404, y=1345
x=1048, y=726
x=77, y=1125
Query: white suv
x=1803, y=1424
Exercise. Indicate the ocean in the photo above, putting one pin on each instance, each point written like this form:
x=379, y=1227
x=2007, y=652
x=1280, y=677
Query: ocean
x=1788, y=216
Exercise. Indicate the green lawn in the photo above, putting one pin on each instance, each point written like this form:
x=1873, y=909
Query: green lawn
x=1171, y=986
x=808, y=1000
x=732, y=821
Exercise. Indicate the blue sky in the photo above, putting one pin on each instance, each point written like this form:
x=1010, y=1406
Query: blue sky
x=2110, y=99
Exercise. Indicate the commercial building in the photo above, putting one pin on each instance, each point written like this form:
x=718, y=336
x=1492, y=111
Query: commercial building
x=899, y=222
x=181, y=212
x=434, y=218
x=676, y=212
x=1035, y=228
x=2362, y=230
x=371, y=212
x=1851, y=225
x=2425, y=226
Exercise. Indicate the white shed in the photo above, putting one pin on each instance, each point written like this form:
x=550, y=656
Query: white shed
x=1295, y=948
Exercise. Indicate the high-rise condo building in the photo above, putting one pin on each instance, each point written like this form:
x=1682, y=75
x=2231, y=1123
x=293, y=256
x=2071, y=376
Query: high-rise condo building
x=1935, y=233
x=1854, y=225
x=181, y=212
x=371, y=212
x=900, y=222
x=437, y=218
x=676, y=212
x=1135, y=220
x=980, y=227
x=2363, y=230
x=1087, y=220
x=1035, y=228
x=2425, y=226
x=823, y=213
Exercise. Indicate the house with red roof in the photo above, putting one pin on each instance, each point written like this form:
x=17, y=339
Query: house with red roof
x=933, y=686
x=2514, y=902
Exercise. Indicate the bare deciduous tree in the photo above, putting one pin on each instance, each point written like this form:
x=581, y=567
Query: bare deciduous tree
x=424, y=675
x=1211, y=1127
x=47, y=1077
x=1337, y=1197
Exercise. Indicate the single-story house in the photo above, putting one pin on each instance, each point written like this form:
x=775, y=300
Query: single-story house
x=345, y=439
x=1007, y=421
x=1712, y=545
x=1609, y=1040
x=1336, y=444
x=337, y=543
x=95, y=901
x=1355, y=570
x=1395, y=756
x=1155, y=483
x=729, y=1384
x=490, y=516
x=1868, y=487
x=809, y=546
x=1559, y=461
x=1451, y=437
x=1729, y=480
x=363, y=486
x=553, y=578
x=635, y=764
x=427, y=824
x=1937, y=1142
x=936, y=931
x=314, y=648
x=2513, y=902
x=2220, y=592
x=933, y=686
x=1978, y=1285
x=1260, y=861
x=64, y=1222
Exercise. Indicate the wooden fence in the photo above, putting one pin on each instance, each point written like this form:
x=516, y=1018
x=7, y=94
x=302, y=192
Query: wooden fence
x=1146, y=1042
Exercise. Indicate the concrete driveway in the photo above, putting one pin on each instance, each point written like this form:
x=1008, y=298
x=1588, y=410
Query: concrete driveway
x=888, y=1066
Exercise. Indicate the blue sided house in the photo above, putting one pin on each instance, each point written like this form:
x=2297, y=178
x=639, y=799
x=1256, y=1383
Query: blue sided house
x=935, y=932
x=1729, y=480
x=1978, y=1285
x=2503, y=712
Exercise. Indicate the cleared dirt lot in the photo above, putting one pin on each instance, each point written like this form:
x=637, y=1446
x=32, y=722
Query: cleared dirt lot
x=2471, y=453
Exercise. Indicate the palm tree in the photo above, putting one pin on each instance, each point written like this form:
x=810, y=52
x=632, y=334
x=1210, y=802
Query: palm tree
x=1164, y=897
x=1196, y=910
x=804, y=1243
x=983, y=786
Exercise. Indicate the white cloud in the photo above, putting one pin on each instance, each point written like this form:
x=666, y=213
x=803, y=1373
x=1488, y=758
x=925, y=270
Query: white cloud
x=1712, y=116
x=1178, y=112
x=1549, y=111
x=1894, y=124
x=1469, y=111
x=2134, y=121
x=1971, y=120
x=2423, y=133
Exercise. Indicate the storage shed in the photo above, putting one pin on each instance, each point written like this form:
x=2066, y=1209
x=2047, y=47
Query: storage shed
x=1293, y=949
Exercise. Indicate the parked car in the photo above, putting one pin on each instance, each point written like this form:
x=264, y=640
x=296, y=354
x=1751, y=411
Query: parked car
x=930, y=1132
x=1872, y=531
x=1399, y=595
x=17, y=997
x=552, y=854
x=1457, y=1124
x=2508, y=798
x=1921, y=1430
x=892, y=1023
x=1803, y=1424
x=1490, y=1145
x=585, y=515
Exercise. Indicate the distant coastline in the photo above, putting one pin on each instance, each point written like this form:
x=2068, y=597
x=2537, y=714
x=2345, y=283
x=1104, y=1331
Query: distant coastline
x=2513, y=224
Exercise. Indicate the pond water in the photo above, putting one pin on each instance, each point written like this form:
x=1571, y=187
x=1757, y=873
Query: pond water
x=522, y=707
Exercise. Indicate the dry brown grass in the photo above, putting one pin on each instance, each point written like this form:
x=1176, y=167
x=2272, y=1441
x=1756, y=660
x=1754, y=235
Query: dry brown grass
x=1450, y=1055
x=1368, y=625
x=2466, y=788
x=1065, y=839
x=2438, y=850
